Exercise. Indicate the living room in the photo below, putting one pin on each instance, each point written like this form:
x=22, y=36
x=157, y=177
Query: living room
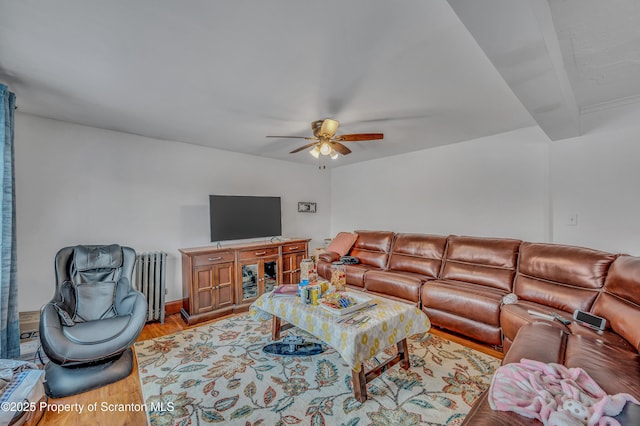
x=78, y=183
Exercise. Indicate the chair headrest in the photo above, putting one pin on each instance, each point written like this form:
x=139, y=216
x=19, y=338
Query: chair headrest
x=87, y=258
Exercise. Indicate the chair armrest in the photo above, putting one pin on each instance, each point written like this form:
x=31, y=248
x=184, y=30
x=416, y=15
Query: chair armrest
x=126, y=297
x=50, y=330
x=133, y=303
x=139, y=305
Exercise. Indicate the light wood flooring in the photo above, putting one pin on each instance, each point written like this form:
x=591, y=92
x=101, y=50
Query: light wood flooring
x=128, y=391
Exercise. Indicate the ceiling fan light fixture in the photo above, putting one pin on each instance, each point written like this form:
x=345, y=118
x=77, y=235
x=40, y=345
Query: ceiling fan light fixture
x=315, y=152
x=326, y=142
x=325, y=148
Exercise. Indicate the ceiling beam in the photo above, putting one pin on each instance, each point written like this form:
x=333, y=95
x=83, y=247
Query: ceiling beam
x=520, y=40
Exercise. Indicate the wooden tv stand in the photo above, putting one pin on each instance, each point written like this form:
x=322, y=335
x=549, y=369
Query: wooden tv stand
x=217, y=281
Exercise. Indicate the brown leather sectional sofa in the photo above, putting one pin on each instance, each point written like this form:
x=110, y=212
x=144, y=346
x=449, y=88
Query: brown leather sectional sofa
x=460, y=283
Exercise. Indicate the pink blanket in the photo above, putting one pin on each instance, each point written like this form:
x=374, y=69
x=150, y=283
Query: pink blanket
x=554, y=394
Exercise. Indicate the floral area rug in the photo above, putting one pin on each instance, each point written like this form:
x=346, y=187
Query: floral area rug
x=218, y=373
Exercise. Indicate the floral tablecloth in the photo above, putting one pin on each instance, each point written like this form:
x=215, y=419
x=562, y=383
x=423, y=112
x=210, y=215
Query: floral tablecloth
x=389, y=322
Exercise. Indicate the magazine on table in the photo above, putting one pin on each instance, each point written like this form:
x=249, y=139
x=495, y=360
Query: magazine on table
x=285, y=290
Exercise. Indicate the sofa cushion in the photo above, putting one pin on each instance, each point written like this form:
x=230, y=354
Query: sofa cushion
x=489, y=262
x=464, y=308
x=342, y=243
x=614, y=368
x=606, y=337
x=479, y=303
x=619, y=303
x=355, y=274
x=485, y=333
x=559, y=276
x=418, y=253
x=403, y=285
x=372, y=248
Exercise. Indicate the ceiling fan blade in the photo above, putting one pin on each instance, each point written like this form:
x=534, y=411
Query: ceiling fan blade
x=315, y=126
x=293, y=137
x=340, y=148
x=329, y=127
x=303, y=147
x=359, y=137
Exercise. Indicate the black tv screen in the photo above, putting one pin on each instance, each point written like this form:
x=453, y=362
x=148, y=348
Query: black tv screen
x=236, y=217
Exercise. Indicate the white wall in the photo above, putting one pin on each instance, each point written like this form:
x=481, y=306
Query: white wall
x=82, y=185
x=516, y=184
x=597, y=178
x=79, y=184
x=493, y=186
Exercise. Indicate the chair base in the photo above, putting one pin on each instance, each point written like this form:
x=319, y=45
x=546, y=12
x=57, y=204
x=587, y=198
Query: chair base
x=66, y=381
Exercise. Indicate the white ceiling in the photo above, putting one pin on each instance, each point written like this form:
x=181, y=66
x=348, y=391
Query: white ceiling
x=600, y=41
x=226, y=74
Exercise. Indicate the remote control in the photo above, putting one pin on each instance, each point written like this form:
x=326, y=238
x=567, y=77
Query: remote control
x=541, y=315
x=560, y=318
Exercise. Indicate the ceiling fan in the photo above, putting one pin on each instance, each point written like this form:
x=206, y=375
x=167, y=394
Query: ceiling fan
x=326, y=142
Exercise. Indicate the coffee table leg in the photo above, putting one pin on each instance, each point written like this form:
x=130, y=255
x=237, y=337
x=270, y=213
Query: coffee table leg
x=359, y=384
x=403, y=349
x=361, y=378
x=275, y=328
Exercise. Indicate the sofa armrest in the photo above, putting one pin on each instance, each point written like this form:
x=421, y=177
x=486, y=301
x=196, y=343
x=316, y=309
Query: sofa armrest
x=329, y=256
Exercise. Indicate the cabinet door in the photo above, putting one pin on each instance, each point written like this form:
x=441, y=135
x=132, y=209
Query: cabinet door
x=291, y=267
x=223, y=284
x=203, y=299
x=269, y=275
x=251, y=276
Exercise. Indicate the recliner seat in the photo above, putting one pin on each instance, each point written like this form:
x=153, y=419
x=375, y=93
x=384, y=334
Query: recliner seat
x=95, y=316
x=477, y=274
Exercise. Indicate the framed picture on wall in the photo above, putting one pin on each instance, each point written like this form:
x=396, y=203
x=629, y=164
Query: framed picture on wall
x=306, y=207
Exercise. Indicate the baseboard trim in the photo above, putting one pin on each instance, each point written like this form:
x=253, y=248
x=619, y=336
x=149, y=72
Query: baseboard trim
x=173, y=307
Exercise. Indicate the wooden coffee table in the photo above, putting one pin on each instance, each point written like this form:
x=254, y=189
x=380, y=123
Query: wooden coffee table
x=389, y=323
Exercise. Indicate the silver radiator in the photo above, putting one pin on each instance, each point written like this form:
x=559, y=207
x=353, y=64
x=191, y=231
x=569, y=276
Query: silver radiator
x=151, y=271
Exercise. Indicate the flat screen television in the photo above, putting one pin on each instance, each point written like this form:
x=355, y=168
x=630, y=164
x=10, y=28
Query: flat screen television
x=236, y=217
